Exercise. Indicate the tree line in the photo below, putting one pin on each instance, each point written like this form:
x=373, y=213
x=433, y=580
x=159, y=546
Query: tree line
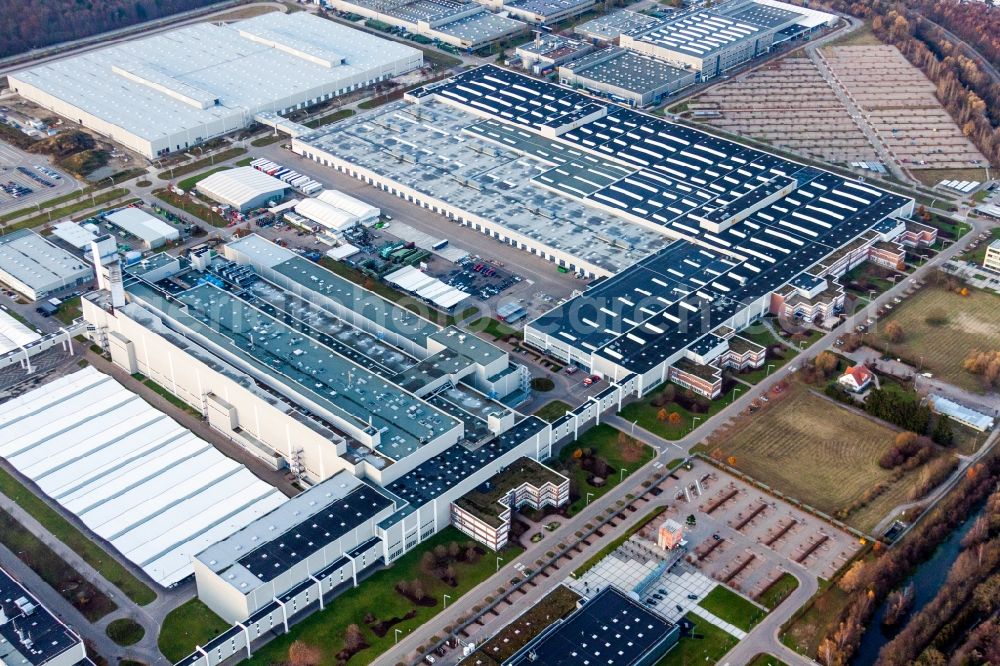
x=868, y=580
x=32, y=24
x=966, y=92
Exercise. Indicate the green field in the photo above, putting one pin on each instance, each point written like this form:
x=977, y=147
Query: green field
x=605, y=442
x=707, y=645
x=819, y=452
x=730, y=607
x=92, y=554
x=325, y=629
x=777, y=591
x=125, y=631
x=766, y=660
x=941, y=328
x=188, y=183
x=190, y=624
x=191, y=167
x=67, y=211
x=54, y=570
x=646, y=415
x=192, y=208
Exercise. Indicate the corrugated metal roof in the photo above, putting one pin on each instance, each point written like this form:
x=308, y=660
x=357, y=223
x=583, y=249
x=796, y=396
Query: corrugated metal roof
x=240, y=185
x=148, y=486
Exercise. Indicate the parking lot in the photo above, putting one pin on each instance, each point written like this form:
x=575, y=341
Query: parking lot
x=27, y=180
x=743, y=535
x=790, y=105
x=898, y=102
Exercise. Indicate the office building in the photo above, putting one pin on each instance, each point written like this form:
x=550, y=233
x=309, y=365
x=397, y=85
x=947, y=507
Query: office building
x=991, y=259
x=485, y=512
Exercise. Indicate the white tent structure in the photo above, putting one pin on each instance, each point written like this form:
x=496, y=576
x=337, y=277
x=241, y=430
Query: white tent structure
x=151, y=488
x=14, y=334
x=243, y=188
x=326, y=215
x=364, y=212
x=152, y=231
x=426, y=287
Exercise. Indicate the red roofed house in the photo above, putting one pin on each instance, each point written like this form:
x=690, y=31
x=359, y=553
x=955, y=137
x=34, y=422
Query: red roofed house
x=856, y=379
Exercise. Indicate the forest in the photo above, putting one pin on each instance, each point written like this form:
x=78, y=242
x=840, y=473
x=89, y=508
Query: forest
x=969, y=94
x=30, y=24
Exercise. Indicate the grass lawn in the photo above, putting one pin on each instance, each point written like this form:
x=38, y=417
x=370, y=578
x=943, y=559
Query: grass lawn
x=188, y=183
x=553, y=410
x=94, y=555
x=54, y=570
x=267, y=139
x=243, y=162
x=325, y=629
x=605, y=443
x=67, y=211
x=960, y=325
x=932, y=177
x=778, y=591
x=804, y=633
x=764, y=659
x=862, y=36
x=330, y=118
x=192, y=208
x=190, y=624
x=644, y=413
x=125, y=632
x=763, y=336
x=730, y=607
x=6, y=217
x=171, y=398
x=706, y=645
x=69, y=310
x=819, y=452
x=191, y=167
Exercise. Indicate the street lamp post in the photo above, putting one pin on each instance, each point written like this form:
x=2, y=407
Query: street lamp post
x=589, y=495
x=735, y=391
x=621, y=474
x=499, y=560
x=446, y=598
x=770, y=366
x=398, y=632
x=694, y=422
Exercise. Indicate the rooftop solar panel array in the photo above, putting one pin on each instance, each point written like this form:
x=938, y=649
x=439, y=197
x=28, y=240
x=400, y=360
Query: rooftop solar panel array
x=674, y=177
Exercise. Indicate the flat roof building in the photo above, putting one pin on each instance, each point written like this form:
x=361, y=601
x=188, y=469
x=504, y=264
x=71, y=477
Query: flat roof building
x=30, y=634
x=626, y=76
x=324, y=536
x=711, y=41
x=611, y=26
x=177, y=89
x=608, y=628
x=550, y=50
x=243, y=188
x=35, y=267
x=151, y=231
x=467, y=25
x=541, y=11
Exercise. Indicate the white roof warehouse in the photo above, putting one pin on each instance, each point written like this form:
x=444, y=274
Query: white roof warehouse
x=181, y=87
